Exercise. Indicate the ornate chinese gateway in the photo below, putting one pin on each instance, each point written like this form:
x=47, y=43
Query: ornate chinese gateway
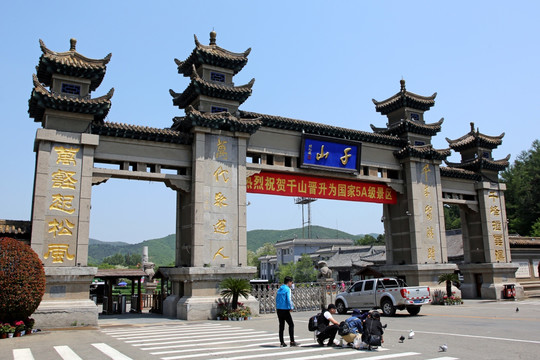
x=216, y=153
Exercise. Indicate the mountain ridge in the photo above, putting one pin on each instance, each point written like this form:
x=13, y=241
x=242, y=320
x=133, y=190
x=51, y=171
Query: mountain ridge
x=161, y=251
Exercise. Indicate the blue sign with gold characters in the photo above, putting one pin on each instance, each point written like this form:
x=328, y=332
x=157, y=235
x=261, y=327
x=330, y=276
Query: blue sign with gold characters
x=327, y=153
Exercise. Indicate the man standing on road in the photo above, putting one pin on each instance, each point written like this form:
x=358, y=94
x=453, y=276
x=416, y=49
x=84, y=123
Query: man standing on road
x=284, y=307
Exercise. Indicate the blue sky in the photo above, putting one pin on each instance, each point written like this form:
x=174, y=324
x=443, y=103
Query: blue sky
x=312, y=60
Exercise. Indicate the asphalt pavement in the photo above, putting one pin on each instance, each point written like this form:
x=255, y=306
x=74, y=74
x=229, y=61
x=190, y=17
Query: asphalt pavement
x=477, y=329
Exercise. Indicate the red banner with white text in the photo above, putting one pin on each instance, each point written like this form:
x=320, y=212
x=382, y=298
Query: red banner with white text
x=320, y=188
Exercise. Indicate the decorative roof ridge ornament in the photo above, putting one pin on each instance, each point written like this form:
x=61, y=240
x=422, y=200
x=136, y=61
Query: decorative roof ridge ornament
x=214, y=46
x=72, y=53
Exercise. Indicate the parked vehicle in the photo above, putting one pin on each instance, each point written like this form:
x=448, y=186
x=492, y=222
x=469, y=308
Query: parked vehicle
x=388, y=294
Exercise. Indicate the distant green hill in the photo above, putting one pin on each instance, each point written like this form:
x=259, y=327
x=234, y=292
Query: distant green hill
x=161, y=251
x=257, y=238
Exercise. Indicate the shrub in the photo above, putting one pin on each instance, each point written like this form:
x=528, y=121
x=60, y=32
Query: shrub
x=22, y=280
x=233, y=288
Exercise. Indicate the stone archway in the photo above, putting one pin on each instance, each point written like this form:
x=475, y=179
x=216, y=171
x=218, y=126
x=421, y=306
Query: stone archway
x=206, y=153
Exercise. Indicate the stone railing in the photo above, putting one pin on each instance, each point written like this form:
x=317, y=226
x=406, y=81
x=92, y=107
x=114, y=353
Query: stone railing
x=305, y=296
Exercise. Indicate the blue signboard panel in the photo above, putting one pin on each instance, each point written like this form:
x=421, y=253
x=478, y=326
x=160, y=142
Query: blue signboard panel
x=321, y=152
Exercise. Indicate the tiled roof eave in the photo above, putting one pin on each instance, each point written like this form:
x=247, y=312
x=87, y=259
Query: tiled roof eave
x=199, y=56
x=141, y=133
x=46, y=69
x=409, y=126
x=482, y=163
x=404, y=99
x=196, y=88
x=474, y=142
x=278, y=122
x=423, y=152
x=222, y=121
x=459, y=173
x=38, y=103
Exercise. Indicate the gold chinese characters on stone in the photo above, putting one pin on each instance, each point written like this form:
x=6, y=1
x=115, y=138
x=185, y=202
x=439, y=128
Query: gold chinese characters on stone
x=57, y=252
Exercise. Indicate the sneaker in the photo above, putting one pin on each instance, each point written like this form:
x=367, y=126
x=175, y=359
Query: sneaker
x=283, y=345
x=294, y=343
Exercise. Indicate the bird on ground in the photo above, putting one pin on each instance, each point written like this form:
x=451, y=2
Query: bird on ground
x=411, y=334
x=443, y=348
x=517, y=309
x=401, y=338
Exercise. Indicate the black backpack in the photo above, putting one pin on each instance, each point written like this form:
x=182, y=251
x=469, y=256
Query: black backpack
x=312, y=325
x=316, y=322
x=344, y=328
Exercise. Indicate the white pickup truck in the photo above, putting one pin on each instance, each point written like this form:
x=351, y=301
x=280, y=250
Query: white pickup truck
x=388, y=294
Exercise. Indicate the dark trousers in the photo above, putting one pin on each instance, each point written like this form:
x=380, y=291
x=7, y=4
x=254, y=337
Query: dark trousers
x=285, y=315
x=328, y=333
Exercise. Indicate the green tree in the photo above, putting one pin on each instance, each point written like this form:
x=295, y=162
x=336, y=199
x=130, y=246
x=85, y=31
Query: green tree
x=116, y=259
x=285, y=270
x=535, y=231
x=304, y=270
x=233, y=288
x=366, y=240
x=253, y=257
x=523, y=191
x=452, y=217
x=448, y=278
x=132, y=259
x=301, y=271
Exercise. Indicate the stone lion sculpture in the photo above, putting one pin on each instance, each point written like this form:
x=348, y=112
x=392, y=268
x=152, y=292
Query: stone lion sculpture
x=324, y=271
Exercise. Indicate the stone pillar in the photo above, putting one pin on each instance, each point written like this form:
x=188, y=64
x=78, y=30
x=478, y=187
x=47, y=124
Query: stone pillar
x=486, y=246
x=211, y=229
x=416, y=246
x=61, y=226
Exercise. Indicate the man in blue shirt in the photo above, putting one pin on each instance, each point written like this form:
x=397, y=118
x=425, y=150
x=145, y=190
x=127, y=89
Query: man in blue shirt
x=284, y=306
x=355, y=326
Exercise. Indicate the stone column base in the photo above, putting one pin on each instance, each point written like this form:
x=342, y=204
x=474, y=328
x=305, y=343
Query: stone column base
x=66, y=314
x=66, y=301
x=199, y=292
x=487, y=280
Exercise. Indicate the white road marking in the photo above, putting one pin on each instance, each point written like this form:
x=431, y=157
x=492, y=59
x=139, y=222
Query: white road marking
x=175, y=335
x=66, y=353
x=471, y=336
x=203, y=341
x=22, y=354
x=376, y=357
x=280, y=353
x=238, y=349
x=270, y=336
x=155, y=330
x=111, y=352
x=444, y=358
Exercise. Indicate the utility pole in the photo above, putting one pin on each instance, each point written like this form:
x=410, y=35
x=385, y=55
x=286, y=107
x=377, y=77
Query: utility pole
x=303, y=201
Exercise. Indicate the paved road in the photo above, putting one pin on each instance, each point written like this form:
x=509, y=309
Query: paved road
x=475, y=330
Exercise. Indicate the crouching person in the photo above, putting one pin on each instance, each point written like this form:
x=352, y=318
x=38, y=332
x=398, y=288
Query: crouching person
x=372, y=336
x=329, y=328
x=355, y=327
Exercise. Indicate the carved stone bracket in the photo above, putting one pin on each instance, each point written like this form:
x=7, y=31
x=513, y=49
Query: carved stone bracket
x=100, y=179
x=177, y=184
x=250, y=172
